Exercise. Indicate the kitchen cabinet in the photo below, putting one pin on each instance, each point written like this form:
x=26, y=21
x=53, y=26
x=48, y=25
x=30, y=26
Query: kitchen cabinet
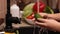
x=3, y=8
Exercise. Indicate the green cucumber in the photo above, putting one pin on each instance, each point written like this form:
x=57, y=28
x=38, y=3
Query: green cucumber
x=48, y=10
x=37, y=16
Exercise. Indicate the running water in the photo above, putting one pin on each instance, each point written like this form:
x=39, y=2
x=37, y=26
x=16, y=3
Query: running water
x=42, y=29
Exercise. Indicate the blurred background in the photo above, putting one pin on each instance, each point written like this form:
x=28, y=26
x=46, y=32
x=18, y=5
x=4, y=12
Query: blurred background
x=54, y=4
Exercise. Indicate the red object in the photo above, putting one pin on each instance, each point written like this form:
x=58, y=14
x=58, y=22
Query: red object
x=31, y=16
x=41, y=6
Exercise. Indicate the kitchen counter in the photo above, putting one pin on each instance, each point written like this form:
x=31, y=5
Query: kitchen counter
x=23, y=24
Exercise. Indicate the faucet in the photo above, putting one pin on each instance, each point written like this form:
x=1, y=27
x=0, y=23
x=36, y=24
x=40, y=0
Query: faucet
x=9, y=18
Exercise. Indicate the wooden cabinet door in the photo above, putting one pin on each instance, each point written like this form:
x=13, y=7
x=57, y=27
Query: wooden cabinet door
x=3, y=8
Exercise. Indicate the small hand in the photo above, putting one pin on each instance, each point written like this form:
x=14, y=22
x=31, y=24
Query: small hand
x=49, y=16
x=48, y=23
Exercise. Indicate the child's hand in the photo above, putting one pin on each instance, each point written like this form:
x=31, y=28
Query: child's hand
x=49, y=23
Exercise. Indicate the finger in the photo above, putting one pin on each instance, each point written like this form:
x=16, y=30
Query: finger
x=40, y=24
x=42, y=20
x=42, y=14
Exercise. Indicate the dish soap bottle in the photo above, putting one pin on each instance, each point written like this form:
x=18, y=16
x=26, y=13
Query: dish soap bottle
x=15, y=11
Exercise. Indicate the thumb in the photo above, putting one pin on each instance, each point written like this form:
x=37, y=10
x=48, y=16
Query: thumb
x=42, y=20
x=40, y=24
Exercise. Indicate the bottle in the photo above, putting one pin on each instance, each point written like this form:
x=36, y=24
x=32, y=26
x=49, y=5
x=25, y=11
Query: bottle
x=15, y=10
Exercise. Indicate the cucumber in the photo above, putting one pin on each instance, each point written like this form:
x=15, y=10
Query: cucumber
x=37, y=16
x=48, y=10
